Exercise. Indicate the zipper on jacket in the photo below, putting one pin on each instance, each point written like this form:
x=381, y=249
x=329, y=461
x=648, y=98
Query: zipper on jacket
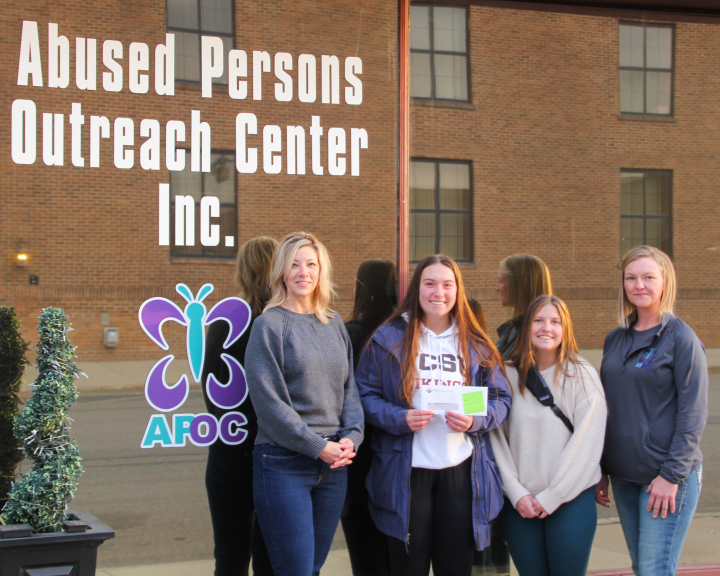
x=407, y=527
x=473, y=472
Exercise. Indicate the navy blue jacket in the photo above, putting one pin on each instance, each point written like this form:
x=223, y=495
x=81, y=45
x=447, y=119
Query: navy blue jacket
x=378, y=378
x=657, y=400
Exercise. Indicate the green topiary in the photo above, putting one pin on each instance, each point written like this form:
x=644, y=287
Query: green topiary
x=12, y=368
x=40, y=497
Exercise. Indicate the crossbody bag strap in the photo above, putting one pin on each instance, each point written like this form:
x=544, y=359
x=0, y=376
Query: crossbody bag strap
x=539, y=388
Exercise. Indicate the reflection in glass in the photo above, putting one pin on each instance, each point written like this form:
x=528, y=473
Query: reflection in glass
x=631, y=233
x=657, y=190
x=420, y=27
x=451, y=77
x=454, y=187
x=420, y=76
x=182, y=14
x=449, y=29
x=187, y=56
x=455, y=235
x=216, y=16
x=631, y=46
x=422, y=235
x=631, y=91
x=422, y=185
x=657, y=233
x=659, y=47
x=658, y=92
x=645, y=209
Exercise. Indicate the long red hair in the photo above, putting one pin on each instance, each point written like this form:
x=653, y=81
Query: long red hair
x=470, y=334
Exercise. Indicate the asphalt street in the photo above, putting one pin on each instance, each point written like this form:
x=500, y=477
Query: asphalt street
x=155, y=498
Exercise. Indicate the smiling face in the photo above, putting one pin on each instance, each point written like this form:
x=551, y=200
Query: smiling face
x=438, y=290
x=643, y=283
x=302, y=278
x=546, y=332
x=503, y=288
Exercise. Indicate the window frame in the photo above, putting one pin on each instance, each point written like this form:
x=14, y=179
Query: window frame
x=645, y=69
x=200, y=33
x=437, y=211
x=432, y=52
x=645, y=217
x=203, y=255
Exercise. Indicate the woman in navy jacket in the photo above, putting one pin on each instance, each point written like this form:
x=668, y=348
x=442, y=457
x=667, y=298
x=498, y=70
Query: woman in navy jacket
x=447, y=517
x=655, y=376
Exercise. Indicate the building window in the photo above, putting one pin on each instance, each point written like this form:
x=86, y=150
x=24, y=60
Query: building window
x=646, y=209
x=191, y=19
x=440, y=209
x=646, y=68
x=221, y=183
x=438, y=52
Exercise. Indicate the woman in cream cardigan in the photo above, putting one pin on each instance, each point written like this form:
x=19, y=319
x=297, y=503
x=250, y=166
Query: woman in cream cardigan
x=549, y=458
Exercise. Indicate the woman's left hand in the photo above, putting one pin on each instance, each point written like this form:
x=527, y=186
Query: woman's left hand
x=541, y=513
x=347, y=454
x=662, y=496
x=458, y=422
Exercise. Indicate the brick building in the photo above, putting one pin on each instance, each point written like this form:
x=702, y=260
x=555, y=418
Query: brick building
x=569, y=136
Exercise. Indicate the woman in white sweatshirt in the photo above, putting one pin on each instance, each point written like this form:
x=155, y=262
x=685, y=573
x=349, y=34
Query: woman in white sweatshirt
x=549, y=453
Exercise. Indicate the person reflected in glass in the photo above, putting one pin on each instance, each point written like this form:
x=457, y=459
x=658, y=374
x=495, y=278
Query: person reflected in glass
x=229, y=473
x=375, y=299
x=655, y=375
x=442, y=459
x=521, y=279
x=300, y=375
x=550, y=460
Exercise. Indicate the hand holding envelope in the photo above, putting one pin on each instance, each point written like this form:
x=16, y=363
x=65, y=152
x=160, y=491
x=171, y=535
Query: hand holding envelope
x=467, y=400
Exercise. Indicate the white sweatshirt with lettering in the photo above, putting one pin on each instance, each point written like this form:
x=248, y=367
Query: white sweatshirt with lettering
x=438, y=364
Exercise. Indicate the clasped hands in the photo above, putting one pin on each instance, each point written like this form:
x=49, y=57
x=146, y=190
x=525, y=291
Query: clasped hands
x=419, y=419
x=339, y=453
x=529, y=507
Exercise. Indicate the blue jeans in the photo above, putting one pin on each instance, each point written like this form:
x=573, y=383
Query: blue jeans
x=557, y=545
x=298, y=501
x=655, y=543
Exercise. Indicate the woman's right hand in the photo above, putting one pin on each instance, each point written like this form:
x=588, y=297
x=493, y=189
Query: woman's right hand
x=602, y=494
x=525, y=507
x=418, y=419
x=331, y=453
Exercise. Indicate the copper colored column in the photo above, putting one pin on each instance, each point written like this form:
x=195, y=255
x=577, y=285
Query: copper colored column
x=403, y=258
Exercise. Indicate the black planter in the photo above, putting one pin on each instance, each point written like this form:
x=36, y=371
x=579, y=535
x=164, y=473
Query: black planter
x=56, y=554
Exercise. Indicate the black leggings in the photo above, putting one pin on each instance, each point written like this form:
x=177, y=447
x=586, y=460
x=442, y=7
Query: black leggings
x=441, y=530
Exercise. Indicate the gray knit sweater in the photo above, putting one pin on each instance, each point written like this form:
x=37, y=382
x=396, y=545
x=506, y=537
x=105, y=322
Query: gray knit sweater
x=300, y=377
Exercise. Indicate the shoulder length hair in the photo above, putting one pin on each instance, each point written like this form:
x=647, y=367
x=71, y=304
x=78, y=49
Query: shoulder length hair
x=375, y=293
x=252, y=271
x=281, y=263
x=528, y=277
x=470, y=334
x=627, y=312
x=523, y=355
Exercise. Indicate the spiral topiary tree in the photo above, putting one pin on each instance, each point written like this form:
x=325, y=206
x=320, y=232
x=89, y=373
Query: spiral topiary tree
x=12, y=367
x=40, y=497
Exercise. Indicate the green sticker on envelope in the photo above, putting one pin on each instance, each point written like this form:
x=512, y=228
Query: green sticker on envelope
x=473, y=402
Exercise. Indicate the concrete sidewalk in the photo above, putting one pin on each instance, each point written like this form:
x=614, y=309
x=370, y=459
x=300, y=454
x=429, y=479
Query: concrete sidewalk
x=701, y=554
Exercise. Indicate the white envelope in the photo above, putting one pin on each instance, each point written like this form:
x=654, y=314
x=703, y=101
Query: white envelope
x=469, y=400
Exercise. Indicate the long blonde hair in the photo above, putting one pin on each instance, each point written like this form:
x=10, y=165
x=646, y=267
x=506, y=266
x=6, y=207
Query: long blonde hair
x=528, y=277
x=523, y=356
x=627, y=311
x=470, y=334
x=281, y=263
x=252, y=271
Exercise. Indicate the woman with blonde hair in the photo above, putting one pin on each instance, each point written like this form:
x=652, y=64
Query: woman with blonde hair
x=655, y=375
x=521, y=279
x=549, y=449
x=229, y=473
x=442, y=459
x=310, y=421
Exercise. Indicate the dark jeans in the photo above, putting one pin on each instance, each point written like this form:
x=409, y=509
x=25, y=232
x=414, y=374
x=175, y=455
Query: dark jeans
x=367, y=546
x=441, y=530
x=557, y=545
x=228, y=479
x=298, y=501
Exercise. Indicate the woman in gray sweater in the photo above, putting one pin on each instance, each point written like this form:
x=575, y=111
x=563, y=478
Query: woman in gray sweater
x=310, y=421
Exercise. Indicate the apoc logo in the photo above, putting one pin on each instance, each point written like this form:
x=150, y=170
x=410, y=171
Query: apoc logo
x=202, y=429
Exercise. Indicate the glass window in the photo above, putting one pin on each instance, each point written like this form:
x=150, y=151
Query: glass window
x=221, y=183
x=440, y=209
x=191, y=19
x=646, y=209
x=438, y=53
x=646, y=68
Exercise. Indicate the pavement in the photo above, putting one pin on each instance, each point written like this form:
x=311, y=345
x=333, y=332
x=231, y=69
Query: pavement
x=701, y=553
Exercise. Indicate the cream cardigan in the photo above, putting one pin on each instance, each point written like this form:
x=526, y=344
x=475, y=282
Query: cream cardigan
x=535, y=451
